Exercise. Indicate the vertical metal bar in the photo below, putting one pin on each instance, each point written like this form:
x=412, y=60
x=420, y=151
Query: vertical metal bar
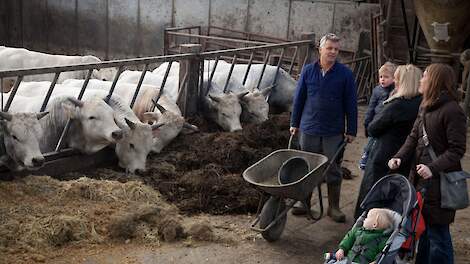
x=1, y=87
x=278, y=66
x=358, y=69
x=264, y=68
x=234, y=61
x=405, y=18
x=181, y=87
x=60, y=143
x=85, y=84
x=49, y=92
x=137, y=89
x=212, y=76
x=248, y=67
x=363, y=72
x=116, y=77
x=13, y=93
x=293, y=60
x=167, y=72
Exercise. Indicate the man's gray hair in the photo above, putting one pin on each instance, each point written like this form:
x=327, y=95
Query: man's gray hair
x=330, y=37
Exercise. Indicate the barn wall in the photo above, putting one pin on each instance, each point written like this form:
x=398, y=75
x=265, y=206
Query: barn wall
x=134, y=28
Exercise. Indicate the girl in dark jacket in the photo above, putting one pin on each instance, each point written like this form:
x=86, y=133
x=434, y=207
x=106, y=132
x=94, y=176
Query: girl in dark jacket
x=445, y=125
x=391, y=127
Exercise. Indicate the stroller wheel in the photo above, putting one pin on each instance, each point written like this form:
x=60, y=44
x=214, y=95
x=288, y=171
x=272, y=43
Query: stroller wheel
x=271, y=209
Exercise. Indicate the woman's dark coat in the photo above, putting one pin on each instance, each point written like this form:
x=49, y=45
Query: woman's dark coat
x=390, y=128
x=445, y=124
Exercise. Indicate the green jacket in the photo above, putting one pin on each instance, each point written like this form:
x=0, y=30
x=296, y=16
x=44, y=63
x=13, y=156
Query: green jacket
x=373, y=240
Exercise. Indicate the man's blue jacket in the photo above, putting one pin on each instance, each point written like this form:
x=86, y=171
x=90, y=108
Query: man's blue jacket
x=322, y=104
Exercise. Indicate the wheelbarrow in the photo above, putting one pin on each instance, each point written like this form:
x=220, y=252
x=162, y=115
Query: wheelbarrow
x=280, y=191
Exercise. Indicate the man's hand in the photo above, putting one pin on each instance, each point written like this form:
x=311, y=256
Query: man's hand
x=293, y=130
x=424, y=171
x=394, y=163
x=339, y=254
x=349, y=138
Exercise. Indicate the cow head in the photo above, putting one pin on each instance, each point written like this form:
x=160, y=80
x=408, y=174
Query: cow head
x=21, y=132
x=132, y=150
x=225, y=110
x=95, y=127
x=174, y=123
x=255, y=107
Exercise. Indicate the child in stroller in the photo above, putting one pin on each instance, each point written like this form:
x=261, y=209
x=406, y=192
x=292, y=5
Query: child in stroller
x=364, y=244
x=396, y=198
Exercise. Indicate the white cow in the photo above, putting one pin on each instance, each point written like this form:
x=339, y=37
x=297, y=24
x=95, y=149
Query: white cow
x=281, y=95
x=20, y=134
x=92, y=122
x=20, y=58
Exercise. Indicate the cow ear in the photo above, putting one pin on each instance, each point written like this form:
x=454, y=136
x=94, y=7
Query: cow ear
x=241, y=95
x=69, y=110
x=131, y=124
x=75, y=102
x=41, y=115
x=214, y=98
x=149, y=116
x=266, y=91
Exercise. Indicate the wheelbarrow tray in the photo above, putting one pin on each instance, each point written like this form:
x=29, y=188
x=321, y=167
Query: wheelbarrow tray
x=264, y=174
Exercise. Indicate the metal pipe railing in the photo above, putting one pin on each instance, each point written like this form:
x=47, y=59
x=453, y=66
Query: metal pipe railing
x=137, y=89
x=49, y=92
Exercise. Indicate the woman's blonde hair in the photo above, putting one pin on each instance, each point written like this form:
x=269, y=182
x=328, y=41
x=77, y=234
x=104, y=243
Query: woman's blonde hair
x=407, y=79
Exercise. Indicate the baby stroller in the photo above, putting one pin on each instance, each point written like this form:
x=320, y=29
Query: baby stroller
x=396, y=193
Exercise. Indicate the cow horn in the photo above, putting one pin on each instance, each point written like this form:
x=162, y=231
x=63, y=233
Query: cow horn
x=189, y=126
x=41, y=115
x=131, y=124
x=156, y=126
x=266, y=91
x=241, y=95
x=6, y=116
x=160, y=108
x=75, y=101
x=214, y=98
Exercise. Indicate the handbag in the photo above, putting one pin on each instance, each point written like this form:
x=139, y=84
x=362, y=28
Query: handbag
x=454, y=193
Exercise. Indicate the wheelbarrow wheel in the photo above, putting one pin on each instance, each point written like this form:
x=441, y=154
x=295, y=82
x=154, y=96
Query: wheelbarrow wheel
x=270, y=211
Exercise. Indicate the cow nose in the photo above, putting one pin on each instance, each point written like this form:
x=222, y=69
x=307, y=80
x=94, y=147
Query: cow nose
x=117, y=135
x=139, y=171
x=39, y=161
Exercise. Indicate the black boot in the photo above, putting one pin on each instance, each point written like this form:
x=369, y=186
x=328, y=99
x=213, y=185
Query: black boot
x=334, y=192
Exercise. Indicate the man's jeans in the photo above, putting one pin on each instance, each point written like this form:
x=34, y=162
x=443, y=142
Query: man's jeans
x=328, y=147
x=435, y=246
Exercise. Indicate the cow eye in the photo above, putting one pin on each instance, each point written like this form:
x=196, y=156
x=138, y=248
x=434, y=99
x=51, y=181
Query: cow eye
x=14, y=137
x=92, y=117
x=131, y=146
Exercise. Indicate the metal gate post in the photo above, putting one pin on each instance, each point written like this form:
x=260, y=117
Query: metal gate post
x=189, y=99
x=306, y=52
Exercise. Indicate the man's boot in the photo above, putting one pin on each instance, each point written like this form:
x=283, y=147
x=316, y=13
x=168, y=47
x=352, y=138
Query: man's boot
x=299, y=209
x=334, y=191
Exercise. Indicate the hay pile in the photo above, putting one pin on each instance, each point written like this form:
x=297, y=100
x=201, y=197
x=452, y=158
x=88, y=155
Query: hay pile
x=38, y=212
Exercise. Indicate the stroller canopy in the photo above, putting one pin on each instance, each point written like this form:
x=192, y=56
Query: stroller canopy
x=394, y=192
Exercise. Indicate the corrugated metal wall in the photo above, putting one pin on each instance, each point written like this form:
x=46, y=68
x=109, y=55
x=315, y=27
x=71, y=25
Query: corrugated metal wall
x=133, y=28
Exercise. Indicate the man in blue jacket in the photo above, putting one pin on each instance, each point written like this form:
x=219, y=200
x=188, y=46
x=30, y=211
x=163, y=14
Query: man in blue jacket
x=325, y=100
